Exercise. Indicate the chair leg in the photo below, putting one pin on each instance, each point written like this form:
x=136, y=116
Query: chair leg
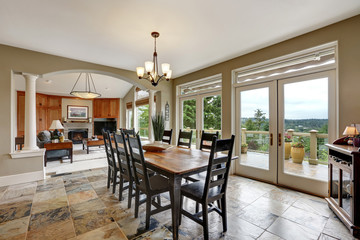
x=137, y=203
x=181, y=207
x=121, y=186
x=197, y=207
x=114, y=180
x=205, y=220
x=148, y=210
x=109, y=177
x=158, y=198
x=224, y=214
x=130, y=193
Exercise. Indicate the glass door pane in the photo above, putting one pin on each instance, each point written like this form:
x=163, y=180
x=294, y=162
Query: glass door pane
x=188, y=113
x=255, y=128
x=306, y=126
x=212, y=114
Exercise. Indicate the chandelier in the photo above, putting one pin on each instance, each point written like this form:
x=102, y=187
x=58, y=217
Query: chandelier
x=152, y=67
x=89, y=84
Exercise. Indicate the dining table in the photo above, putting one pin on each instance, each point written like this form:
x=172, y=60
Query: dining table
x=177, y=163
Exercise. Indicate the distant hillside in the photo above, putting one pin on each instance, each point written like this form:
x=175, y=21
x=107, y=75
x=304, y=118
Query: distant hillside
x=299, y=125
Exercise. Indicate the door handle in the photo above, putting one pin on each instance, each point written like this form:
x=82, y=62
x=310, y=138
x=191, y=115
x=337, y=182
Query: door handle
x=279, y=139
x=271, y=139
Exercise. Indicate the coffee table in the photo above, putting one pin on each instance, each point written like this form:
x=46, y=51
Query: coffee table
x=66, y=145
x=89, y=142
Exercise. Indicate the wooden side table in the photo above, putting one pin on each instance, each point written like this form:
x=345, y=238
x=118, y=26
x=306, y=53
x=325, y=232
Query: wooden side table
x=66, y=145
x=89, y=142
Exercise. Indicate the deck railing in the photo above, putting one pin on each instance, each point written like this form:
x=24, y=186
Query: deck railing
x=313, y=135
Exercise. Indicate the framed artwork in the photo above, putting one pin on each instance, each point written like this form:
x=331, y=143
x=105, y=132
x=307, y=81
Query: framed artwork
x=77, y=112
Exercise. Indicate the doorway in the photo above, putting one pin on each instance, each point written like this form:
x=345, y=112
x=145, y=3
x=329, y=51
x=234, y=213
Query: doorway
x=278, y=118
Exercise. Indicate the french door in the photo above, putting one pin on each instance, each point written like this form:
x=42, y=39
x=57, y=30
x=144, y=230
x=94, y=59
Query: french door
x=298, y=109
x=200, y=112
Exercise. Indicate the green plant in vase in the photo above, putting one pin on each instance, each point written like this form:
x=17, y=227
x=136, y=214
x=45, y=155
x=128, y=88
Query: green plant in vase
x=158, y=124
x=244, y=147
x=298, y=150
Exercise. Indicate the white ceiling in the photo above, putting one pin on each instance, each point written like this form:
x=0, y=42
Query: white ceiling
x=193, y=34
x=62, y=85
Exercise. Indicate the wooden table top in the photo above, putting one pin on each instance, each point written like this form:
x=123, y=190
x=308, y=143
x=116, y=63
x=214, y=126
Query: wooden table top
x=179, y=160
x=60, y=145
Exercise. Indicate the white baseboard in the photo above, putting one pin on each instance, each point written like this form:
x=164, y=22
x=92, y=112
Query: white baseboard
x=21, y=178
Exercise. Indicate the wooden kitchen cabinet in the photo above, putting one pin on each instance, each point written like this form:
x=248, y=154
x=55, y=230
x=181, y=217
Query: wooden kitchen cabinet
x=41, y=100
x=41, y=119
x=54, y=102
x=106, y=108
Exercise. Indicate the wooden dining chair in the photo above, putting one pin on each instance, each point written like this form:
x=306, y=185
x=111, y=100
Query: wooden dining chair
x=151, y=186
x=213, y=188
x=187, y=136
x=131, y=132
x=113, y=168
x=167, y=136
x=124, y=166
x=206, y=138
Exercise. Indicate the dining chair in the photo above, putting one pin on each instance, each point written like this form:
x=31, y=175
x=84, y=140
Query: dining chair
x=124, y=166
x=213, y=188
x=167, y=136
x=206, y=138
x=131, y=132
x=113, y=168
x=185, y=136
x=151, y=186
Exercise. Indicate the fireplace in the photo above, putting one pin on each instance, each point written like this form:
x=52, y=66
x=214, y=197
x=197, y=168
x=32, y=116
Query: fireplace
x=77, y=135
x=104, y=123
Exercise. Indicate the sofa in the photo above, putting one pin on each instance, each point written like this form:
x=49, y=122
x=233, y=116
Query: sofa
x=45, y=137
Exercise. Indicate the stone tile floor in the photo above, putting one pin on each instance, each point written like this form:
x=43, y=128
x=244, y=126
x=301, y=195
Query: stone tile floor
x=79, y=206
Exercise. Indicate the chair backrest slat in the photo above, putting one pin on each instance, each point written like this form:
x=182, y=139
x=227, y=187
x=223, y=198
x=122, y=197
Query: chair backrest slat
x=219, y=167
x=108, y=149
x=167, y=136
x=206, y=138
x=138, y=162
x=122, y=154
x=131, y=132
x=185, y=136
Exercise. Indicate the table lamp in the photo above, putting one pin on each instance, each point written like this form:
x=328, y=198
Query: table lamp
x=56, y=124
x=350, y=132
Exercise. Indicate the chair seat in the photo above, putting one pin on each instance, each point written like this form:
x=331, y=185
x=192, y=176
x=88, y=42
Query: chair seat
x=195, y=191
x=158, y=184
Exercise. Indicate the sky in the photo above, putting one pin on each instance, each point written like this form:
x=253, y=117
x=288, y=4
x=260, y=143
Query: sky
x=302, y=100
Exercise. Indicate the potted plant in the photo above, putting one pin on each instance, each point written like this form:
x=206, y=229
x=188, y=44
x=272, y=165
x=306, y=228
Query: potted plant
x=288, y=140
x=298, y=150
x=244, y=147
x=158, y=124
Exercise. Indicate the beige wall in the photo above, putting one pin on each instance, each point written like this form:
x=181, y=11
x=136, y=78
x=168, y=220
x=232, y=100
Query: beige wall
x=75, y=102
x=21, y=60
x=346, y=32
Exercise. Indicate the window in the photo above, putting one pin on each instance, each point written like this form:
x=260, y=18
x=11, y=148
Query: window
x=129, y=119
x=143, y=120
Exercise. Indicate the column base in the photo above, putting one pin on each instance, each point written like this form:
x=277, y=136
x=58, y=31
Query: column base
x=313, y=161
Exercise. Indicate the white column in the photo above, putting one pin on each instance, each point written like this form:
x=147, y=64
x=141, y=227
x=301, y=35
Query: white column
x=30, y=112
x=151, y=113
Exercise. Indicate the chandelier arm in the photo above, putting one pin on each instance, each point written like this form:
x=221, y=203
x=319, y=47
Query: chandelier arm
x=76, y=82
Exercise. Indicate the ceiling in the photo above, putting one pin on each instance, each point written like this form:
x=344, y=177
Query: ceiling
x=62, y=85
x=193, y=34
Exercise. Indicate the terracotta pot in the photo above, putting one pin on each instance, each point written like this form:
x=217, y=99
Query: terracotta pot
x=297, y=154
x=287, y=150
x=244, y=149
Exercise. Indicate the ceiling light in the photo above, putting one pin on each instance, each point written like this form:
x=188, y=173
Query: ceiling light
x=152, y=67
x=87, y=93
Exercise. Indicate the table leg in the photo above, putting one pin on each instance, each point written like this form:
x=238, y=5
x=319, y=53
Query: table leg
x=71, y=154
x=175, y=195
